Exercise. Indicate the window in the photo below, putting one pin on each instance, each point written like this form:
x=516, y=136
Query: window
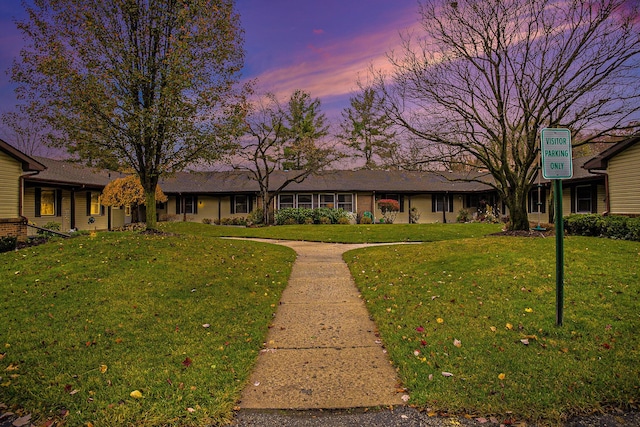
x=47, y=202
x=241, y=204
x=583, y=199
x=305, y=201
x=438, y=202
x=327, y=201
x=536, y=205
x=345, y=201
x=94, y=208
x=285, y=201
x=186, y=205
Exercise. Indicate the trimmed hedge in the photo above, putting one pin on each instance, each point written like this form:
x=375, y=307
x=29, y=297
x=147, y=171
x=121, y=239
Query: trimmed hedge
x=290, y=216
x=613, y=226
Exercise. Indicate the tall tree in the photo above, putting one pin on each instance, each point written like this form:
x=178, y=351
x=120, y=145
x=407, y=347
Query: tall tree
x=306, y=124
x=23, y=133
x=367, y=129
x=144, y=84
x=265, y=147
x=488, y=75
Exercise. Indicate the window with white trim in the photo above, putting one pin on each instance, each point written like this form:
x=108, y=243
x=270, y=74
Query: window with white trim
x=345, y=201
x=285, y=201
x=305, y=201
x=327, y=201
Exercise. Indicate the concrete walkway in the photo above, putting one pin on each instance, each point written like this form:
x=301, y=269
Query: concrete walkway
x=322, y=349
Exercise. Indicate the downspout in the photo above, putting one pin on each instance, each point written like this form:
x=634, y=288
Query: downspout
x=219, y=209
x=410, y=219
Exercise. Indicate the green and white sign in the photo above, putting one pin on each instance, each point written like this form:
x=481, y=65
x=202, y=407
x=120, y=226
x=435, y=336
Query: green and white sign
x=556, y=155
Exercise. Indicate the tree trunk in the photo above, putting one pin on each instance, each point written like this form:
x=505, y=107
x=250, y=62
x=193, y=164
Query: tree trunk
x=518, y=217
x=150, y=198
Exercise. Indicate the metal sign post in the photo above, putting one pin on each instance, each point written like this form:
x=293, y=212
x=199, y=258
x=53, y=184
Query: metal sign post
x=555, y=150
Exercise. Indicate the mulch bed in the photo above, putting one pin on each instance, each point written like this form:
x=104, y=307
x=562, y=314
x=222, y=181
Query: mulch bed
x=526, y=233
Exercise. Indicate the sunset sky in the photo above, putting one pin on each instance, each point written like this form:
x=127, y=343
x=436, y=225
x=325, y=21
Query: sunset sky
x=319, y=46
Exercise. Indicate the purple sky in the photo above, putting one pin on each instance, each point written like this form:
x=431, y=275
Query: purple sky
x=319, y=46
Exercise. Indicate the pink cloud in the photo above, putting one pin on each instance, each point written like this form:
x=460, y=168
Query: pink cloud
x=318, y=31
x=333, y=70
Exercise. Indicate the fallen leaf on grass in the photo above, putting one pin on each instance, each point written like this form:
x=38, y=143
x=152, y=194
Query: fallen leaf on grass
x=22, y=421
x=12, y=367
x=136, y=394
x=447, y=374
x=191, y=410
x=420, y=329
x=206, y=325
x=509, y=326
x=493, y=329
x=440, y=320
x=405, y=397
x=524, y=341
x=103, y=369
x=457, y=343
x=501, y=376
x=187, y=362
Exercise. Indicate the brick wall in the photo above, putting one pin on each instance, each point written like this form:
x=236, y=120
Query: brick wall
x=16, y=227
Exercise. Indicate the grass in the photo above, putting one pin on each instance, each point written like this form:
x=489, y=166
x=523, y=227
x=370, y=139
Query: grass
x=87, y=321
x=484, y=311
x=378, y=233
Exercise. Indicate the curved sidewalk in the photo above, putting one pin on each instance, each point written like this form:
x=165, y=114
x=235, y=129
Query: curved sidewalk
x=322, y=350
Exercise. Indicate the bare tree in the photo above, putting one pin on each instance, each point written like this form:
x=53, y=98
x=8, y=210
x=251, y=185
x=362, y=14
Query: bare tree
x=146, y=85
x=488, y=75
x=25, y=134
x=266, y=146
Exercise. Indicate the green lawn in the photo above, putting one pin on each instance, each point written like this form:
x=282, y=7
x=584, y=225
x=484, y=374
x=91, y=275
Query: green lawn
x=373, y=233
x=483, y=310
x=89, y=320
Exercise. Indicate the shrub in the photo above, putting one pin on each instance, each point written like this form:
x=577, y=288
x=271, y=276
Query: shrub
x=325, y=220
x=8, y=243
x=366, y=220
x=51, y=225
x=206, y=220
x=389, y=209
x=344, y=220
x=615, y=226
x=290, y=221
x=584, y=224
x=256, y=217
x=310, y=216
x=414, y=215
x=633, y=227
x=463, y=216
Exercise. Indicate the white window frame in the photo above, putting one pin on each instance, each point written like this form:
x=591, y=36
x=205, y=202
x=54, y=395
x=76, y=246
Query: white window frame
x=325, y=204
x=341, y=205
x=306, y=204
x=286, y=205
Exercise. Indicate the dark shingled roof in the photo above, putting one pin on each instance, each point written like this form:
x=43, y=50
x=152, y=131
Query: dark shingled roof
x=227, y=182
x=66, y=173
x=341, y=180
